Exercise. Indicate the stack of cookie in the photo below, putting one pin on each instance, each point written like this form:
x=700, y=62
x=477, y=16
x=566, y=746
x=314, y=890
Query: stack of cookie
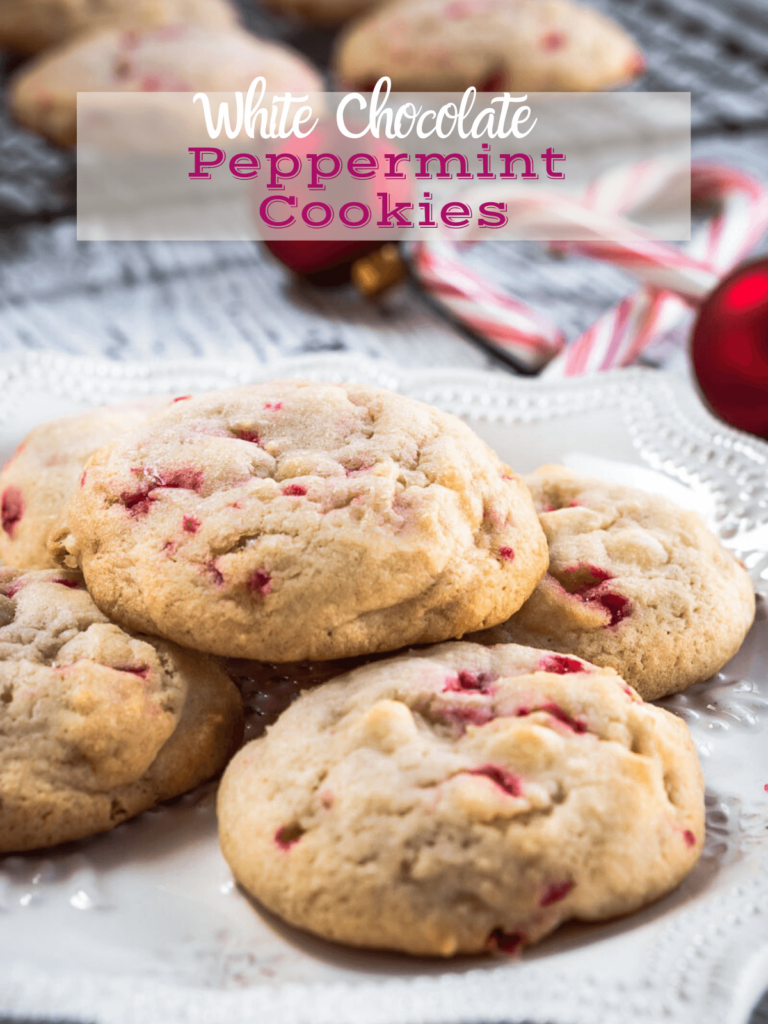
x=462, y=795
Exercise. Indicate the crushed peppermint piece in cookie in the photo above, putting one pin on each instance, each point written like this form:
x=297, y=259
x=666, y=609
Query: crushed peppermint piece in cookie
x=636, y=65
x=580, y=579
x=459, y=715
x=585, y=583
x=555, y=892
x=560, y=664
x=466, y=680
x=142, y=671
x=616, y=605
x=11, y=509
x=13, y=590
x=575, y=724
x=72, y=584
x=508, y=943
x=288, y=835
x=495, y=82
x=248, y=435
x=553, y=41
x=139, y=502
x=187, y=479
x=213, y=570
x=501, y=777
x=260, y=582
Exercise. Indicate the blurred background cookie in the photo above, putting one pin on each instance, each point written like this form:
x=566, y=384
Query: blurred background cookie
x=34, y=25
x=635, y=583
x=462, y=799
x=177, y=58
x=37, y=481
x=518, y=45
x=97, y=724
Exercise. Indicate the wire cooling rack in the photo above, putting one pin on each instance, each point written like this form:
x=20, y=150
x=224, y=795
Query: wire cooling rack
x=715, y=49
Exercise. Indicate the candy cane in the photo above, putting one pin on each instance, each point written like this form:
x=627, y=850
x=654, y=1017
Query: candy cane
x=619, y=336
x=509, y=326
x=674, y=278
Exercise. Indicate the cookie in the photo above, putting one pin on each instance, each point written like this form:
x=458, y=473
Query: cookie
x=495, y=45
x=635, y=583
x=33, y=25
x=97, y=724
x=178, y=58
x=294, y=520
x=461, y=799
x=37, y=481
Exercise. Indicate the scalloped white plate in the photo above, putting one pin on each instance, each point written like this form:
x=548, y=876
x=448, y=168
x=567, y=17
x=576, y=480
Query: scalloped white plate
x=144, y=925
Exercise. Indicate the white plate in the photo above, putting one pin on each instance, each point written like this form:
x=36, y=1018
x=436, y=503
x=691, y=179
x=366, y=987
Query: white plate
x=144, y=925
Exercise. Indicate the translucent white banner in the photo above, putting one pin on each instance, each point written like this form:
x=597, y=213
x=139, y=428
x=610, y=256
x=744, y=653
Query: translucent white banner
x=560, y=166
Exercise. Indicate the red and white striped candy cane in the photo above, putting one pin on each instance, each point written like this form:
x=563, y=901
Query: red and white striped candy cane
x=673, y=277
x=621, y=334
x=513, y=328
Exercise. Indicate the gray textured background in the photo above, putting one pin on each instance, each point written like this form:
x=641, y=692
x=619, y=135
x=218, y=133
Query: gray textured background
x=151, y=300
x=139, y=301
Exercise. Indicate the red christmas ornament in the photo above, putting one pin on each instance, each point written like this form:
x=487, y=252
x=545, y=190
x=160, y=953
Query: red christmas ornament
x=729, y=347
x=321, y=260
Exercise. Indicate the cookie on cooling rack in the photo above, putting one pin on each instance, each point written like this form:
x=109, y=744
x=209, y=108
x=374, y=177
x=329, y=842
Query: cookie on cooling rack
x=460, y=799
x=635, y=583
x=97, y=724
x=177, y=58
x=37, y=481
x=34, y=25
x=495, y=45
x=294, y=520
x=518, y=45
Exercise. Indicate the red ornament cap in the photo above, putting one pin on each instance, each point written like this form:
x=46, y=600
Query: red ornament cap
x=322, y=262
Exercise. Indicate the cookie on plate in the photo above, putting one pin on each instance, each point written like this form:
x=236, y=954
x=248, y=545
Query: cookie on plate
x=34, y=25
x=495, y=45
x=97, y=724
x=635, y=583
x=294, y=520
x=460, y=799
x=177, y=58
x=37, y=481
